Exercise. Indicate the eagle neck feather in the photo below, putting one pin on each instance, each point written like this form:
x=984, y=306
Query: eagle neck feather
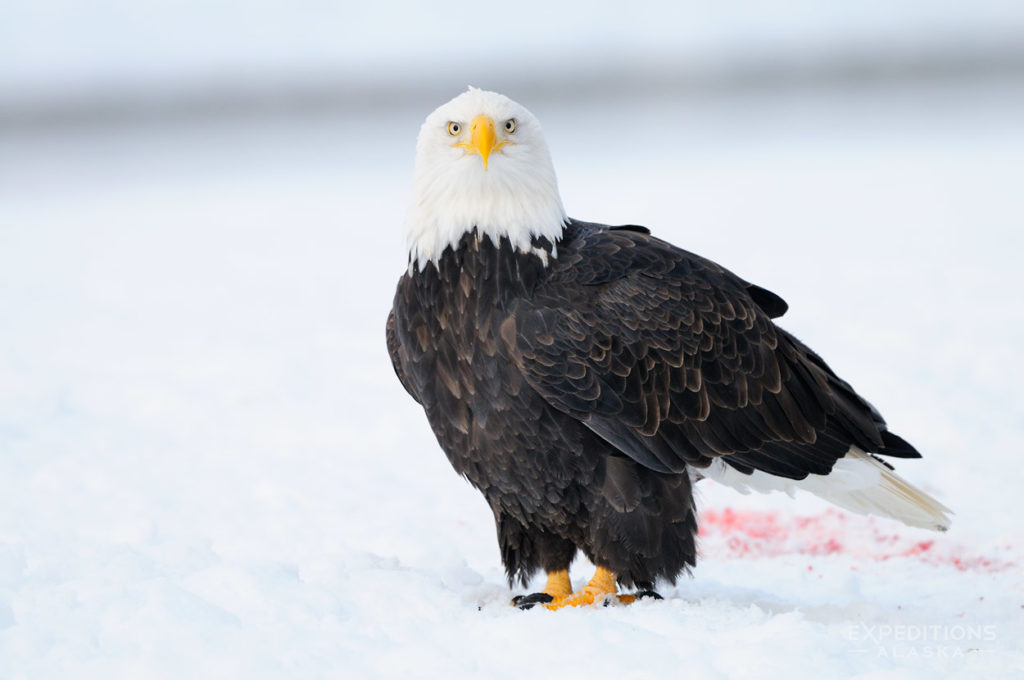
x=489, y=273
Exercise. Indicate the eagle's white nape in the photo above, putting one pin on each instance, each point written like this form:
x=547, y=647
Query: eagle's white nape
x=516, y=196
x=858, y=483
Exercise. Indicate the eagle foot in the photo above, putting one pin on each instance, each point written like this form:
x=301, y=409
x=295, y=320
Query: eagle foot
x=528, y=601
x=600, y=590
x=557, y=586
x=610, y=600
x=581, y=599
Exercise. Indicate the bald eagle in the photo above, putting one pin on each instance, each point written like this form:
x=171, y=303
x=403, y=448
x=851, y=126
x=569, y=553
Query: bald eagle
x=583, y=377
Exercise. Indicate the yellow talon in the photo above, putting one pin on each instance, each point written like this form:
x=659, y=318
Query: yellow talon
x=558, y=584
x=557, y=587
x=602, y=589
x=601, y=586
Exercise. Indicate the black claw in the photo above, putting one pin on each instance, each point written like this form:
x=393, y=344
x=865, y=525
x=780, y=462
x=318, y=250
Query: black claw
x=641, y=594
x=527, y=601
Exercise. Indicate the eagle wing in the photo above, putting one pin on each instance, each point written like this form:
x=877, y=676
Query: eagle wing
x=398, y=358
x=676, y=361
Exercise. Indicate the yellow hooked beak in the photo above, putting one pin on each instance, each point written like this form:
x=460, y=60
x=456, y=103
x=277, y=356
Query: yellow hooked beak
x=483, y=139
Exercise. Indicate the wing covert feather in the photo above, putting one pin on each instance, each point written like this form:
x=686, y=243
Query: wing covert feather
x=676, y=361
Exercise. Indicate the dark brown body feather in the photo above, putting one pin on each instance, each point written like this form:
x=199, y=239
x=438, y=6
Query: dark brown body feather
x=576, y=395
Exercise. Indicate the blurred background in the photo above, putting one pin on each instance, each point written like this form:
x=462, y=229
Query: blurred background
x=202, y=203
x=201, y=227
x=113, y=62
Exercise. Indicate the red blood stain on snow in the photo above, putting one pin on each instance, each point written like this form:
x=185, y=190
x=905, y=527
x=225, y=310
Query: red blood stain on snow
x=727, y=533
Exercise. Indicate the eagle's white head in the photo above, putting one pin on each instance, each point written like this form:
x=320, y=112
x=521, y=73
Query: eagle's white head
x=481, y=161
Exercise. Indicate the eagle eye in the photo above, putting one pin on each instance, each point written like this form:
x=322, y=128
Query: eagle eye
x=510, y=125
x=454, y=128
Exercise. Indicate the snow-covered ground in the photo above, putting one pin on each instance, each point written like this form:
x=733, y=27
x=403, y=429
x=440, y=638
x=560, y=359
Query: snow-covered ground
x=208, y=469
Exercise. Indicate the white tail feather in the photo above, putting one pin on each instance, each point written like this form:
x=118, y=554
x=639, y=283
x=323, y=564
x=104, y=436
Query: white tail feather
x=858, y=482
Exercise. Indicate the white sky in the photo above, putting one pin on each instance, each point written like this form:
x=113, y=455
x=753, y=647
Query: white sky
x=62, y=46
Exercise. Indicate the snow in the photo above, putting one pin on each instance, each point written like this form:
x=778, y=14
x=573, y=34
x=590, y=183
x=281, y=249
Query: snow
x=208, y=468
